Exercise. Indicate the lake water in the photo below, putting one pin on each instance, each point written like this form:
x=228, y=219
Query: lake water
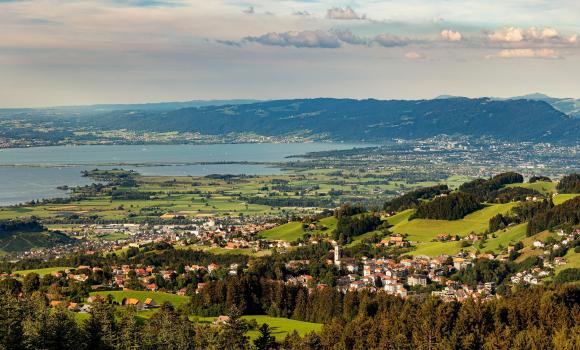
x=33, y=173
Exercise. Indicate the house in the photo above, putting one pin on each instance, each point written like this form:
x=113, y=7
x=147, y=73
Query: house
x=94, y=298
x=56, y=303
x=133, y=302
x=212, y=267
x=417, y=280
x=200, y=286
x=149, y=303
x=221, y=320
x=538, y=244
x=73, y=306
x=559, y=260
x=85, y=309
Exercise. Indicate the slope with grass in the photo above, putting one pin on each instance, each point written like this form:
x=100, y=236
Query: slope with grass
x=158, y=297
x=572, y=261
x=280, y=326
x=437, y=248
x=41, y=272
x=544, y=187
x=288, y=232
x=424, y=230
x=503, y=238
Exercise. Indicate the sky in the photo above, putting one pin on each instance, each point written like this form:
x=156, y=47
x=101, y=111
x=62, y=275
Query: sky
x=74, y=52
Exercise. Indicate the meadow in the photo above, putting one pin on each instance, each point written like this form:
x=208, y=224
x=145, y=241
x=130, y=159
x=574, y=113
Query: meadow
x=280, y=326
x=425, y=230
x=41, y=272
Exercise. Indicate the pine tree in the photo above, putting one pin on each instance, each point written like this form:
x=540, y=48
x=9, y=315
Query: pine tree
x=265, y=340
x=233, y=333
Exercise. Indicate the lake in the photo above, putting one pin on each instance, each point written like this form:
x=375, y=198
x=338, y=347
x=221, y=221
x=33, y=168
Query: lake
x=33, y=173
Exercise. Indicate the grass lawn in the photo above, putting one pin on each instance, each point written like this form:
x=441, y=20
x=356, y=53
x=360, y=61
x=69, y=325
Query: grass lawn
x=288, y=232
x=543, y=187
x=562, y=197
x=42, y=272
x=358, y=239
x=400, y=217
x=424, y=230
x=433, y=249
x=280, y=326
x=529, y=251
x=504, y=238
x=572, y=261
x=159, y=297
x=219, y=250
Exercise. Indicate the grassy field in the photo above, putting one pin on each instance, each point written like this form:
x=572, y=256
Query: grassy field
x=541, y=186
x=219, y=250
x=529, y=250
x=280, y=326
x=159, y=297
x=572, y=261
x=437, y=248
x=288, y=232
x=503, y=238
x=562, y=197
x=424, y=230
x=41, y=272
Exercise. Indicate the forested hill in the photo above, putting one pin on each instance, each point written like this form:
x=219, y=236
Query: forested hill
x=356, y=120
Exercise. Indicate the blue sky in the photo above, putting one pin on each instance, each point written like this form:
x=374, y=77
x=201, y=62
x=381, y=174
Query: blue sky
x=56, y=52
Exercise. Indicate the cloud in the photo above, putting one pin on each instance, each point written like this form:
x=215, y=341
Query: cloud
x=345, y=13
x=414, y=56
x=528, y=53
x=306, y=38
x=451, y=35
x=301, y=13
x=348, y=37
x=229, y=43
x=573, y=39
x=387, y=40
x=514, y=34
x=507, y=34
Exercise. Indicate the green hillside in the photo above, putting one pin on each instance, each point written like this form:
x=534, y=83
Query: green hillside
x=41, y=272
x=22, y=241
x=424, y=230
x=159, y=297
x=543, y=187
x=288, y=232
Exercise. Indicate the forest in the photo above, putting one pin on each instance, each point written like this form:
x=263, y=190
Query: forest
x=527, y=318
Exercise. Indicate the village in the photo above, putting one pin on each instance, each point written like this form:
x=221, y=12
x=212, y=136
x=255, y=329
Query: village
x=405, y=277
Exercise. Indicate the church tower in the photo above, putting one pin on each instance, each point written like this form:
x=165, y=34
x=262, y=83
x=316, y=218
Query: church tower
x=337, y=255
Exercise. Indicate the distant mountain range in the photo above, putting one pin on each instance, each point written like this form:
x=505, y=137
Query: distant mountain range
x=569, y=106
x=536, y=118
x=361, y=120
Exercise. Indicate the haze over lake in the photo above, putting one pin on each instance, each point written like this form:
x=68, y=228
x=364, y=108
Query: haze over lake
x=34, y=173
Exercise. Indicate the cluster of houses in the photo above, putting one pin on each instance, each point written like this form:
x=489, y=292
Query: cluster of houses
x=228, y=233
x=401, y=277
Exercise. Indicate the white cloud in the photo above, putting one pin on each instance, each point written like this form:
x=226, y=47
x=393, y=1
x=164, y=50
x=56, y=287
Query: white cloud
x=306, y=38
x=573, y=39
x=528, y=53
x=348, y=37
x=414, y=56
x=346, y=13
x=451, y=35
x=514, y=34
x=507, y=34
x=388, y=40
x=541, y=34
